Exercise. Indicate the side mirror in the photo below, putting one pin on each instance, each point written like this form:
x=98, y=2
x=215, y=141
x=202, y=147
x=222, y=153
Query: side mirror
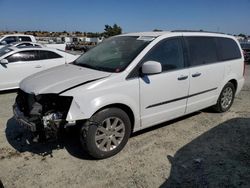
x=151, y=67
x=4, y=61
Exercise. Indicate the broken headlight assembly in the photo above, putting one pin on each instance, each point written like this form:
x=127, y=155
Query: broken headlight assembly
x=47, y=112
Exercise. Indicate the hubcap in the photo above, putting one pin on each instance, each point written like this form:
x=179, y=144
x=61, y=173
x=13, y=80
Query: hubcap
x=227, y=97
x=110, y=134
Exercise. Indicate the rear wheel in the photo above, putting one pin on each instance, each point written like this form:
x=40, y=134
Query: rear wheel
x=106, y=133
x=226, y=98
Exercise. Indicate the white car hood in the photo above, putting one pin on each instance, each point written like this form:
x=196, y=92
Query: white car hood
x=59, y=79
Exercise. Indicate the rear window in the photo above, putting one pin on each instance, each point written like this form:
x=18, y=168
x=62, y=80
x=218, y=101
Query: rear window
x=202, y=50
x=228, y=49
x=48, y=55
x=25, y=39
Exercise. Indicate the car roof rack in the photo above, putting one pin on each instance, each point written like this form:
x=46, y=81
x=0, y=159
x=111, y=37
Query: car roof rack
x=197, y=31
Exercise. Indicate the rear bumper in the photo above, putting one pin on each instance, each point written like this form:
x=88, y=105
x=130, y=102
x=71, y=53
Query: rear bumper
x=22, y=120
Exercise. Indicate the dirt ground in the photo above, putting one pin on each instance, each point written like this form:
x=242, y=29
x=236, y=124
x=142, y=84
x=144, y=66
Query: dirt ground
x=204, y=149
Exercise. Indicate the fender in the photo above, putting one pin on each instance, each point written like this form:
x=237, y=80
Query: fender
x=83, y=109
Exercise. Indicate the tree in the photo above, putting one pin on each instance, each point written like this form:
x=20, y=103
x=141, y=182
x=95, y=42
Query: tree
x=112, y=31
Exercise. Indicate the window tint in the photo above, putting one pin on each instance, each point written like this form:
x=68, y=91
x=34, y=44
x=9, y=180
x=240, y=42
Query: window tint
x=228, y=49
x=23, y=56
x=202, y=50
x=9, y=40
x=49, y=55
x=5, y=50
x=25, y=39
x=169, y=53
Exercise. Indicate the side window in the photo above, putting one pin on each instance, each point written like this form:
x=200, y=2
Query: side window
x=9, y=40
x=23, y=56
x=24, y=39
x=228, y=49
x=202, y=50
x=169, y=53
x=48, y=55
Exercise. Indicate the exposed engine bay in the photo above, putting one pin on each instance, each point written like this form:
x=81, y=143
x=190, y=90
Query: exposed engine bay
x=43, y=114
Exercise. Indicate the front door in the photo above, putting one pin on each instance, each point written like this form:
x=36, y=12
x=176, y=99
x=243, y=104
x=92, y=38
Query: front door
x=163, y=96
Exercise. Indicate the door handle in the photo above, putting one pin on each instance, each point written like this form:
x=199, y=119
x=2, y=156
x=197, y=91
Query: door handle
x=196, y=74
x=182, y=77
x=38, y=66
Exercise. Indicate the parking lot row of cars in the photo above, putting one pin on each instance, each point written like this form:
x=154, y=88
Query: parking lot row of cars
x=21, y=59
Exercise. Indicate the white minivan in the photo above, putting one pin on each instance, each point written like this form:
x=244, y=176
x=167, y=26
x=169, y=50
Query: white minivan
x=130, y=82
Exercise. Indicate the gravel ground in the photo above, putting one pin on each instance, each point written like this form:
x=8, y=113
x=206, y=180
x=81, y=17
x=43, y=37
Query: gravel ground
x=204, y=149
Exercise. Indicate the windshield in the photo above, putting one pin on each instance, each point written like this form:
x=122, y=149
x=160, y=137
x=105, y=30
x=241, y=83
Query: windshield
x=114, y=54
x=4, y=51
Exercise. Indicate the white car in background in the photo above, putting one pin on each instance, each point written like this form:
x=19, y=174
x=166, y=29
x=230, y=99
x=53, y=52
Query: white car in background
x=24, y=44
x=16, y=63
x=12, y=38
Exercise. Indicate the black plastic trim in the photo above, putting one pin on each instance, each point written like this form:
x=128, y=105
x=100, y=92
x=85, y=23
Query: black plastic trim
x=181, y=98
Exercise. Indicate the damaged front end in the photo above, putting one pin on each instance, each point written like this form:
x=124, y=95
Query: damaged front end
x=43, y=114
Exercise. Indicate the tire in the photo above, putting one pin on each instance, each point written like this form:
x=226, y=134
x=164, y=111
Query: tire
x=226, y=98
x=105, y=133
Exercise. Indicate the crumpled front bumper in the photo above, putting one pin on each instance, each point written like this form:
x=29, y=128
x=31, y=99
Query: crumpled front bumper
x=22, y=120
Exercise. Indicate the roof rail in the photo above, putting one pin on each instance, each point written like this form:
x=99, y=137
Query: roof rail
x=197, y=31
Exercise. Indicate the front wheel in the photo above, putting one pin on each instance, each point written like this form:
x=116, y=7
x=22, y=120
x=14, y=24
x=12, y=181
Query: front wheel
x=226, y=98
x=106, y=133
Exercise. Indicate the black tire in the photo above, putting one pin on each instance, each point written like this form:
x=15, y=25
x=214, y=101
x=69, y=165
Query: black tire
x=91, y=129
x=219, y=107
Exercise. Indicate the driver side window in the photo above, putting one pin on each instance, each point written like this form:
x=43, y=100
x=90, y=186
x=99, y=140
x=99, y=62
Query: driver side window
x=169, y=53
x=23, y=56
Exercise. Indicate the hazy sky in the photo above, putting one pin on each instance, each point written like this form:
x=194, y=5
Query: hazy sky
x=229, y=16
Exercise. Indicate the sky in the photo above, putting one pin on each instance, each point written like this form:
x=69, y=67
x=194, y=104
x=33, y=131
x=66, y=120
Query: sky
x=228, y=16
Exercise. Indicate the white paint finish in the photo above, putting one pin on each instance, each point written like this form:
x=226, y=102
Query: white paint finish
x=114, y=89
x=137, y=93
x=210, y=78
x=12, y=73
x=59, y=78
x=162, y=88
x=3, y=37
x=151, y=67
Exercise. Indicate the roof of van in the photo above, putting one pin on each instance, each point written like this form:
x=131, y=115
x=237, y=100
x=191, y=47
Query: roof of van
x=184, y=32
x=148, y=34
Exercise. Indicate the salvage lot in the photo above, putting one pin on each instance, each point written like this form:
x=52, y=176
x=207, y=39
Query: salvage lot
x=204, y=149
